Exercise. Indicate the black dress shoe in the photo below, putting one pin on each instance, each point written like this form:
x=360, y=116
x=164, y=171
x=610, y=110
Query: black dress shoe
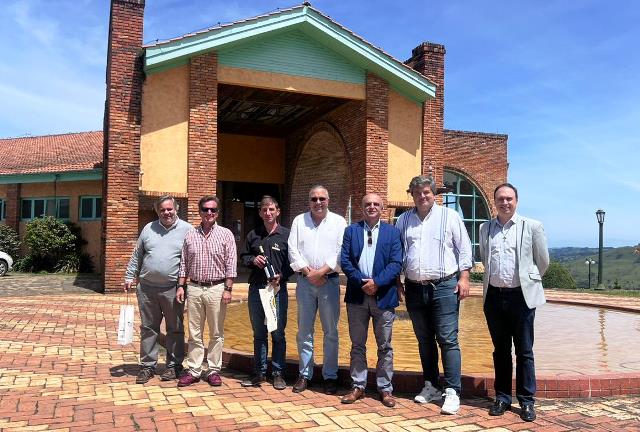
x=254, y=381
x=528, y=413
x=330, y=386
x=301, y=385
x=498, y=408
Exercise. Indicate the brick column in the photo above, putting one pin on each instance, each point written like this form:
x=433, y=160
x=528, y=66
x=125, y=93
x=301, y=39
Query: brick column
x=374, y=158
x=203, y=131
x=428, y=59
x=13, y=206
x=122, y=139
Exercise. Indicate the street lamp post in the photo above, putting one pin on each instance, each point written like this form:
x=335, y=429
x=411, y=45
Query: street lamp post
x=600, y=216
x=589, y=262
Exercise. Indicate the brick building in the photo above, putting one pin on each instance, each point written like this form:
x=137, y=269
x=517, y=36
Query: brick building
x=273, y=105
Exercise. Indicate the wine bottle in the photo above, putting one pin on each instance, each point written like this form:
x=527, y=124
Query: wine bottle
x=268, y=267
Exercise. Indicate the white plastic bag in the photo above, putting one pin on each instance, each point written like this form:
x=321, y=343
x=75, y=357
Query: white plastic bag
x=267, y=296
x=125, y=325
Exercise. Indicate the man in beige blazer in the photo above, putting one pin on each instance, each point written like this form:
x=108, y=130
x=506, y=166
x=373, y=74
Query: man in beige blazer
x=514, y=252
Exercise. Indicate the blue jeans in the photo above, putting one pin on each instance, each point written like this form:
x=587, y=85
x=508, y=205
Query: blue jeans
x=509, y=319
x=260, y=334
x=311, y=300
x=434, y=312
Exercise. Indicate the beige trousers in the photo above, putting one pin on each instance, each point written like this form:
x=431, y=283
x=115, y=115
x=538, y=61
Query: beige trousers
x=205, y=304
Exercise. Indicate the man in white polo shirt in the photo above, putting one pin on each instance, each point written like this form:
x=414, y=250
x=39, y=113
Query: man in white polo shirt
x=315, y=242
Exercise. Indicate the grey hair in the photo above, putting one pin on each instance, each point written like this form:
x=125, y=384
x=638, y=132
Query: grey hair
x=319, y=186
x=164, y=198
x=421, y=181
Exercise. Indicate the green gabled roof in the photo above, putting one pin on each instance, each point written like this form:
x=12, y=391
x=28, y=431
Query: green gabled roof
x=333, y=52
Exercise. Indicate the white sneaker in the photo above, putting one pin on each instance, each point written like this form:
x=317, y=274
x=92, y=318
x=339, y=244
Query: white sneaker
x=451, y=403
x=429, y=393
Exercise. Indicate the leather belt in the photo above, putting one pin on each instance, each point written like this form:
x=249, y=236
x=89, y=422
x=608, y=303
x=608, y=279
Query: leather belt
x=505, y=289
x=207, y=284
x=328, y=275
x=432, y=281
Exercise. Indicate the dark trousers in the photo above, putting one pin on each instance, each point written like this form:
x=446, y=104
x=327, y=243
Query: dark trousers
x=260, y=334
x=510, y=320
x=434, y=311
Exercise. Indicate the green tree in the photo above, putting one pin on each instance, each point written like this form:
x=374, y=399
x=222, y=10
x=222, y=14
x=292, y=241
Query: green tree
x=50, y=241
x=557, y=276
x=9, y=241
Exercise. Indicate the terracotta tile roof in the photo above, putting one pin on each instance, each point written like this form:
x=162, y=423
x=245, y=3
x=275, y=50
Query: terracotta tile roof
x=51, y=153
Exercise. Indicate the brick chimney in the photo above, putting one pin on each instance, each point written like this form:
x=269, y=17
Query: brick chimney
x=428, y=59
x=122, y=119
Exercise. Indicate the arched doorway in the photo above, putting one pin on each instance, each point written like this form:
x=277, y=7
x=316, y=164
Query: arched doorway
x=322, y=161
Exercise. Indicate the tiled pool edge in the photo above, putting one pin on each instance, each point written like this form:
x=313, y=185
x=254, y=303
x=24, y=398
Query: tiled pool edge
x=481, y=385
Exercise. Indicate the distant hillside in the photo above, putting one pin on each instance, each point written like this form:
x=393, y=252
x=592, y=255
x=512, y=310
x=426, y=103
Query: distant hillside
x=621, y=267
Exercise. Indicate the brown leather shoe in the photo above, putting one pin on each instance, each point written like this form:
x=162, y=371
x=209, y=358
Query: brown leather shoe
x=387, y=399
x=355, y=394
x=301, y=385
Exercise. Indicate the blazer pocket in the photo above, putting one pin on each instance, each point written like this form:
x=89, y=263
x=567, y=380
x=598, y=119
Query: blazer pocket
x=535, y=276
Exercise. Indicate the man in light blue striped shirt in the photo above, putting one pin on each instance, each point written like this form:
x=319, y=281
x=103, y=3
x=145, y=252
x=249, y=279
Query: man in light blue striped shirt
x=436, y=269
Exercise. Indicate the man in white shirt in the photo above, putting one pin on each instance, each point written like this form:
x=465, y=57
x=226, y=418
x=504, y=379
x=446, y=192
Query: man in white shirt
x=315, y=242
x=436, y=276
x=514, y=252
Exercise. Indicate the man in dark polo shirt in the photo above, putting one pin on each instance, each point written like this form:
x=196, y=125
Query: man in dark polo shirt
x=267, y=242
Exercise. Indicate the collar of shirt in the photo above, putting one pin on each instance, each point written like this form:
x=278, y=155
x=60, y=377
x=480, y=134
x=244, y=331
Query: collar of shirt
x=262, y=231
x=426, y=218
x=200, y=229
x=367, y=227
x=508, y=223
x=173, y=225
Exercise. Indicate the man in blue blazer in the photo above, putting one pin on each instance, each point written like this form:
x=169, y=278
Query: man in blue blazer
x=371, y=259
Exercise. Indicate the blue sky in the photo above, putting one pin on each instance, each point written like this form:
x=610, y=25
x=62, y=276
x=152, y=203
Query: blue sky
x=561, y=78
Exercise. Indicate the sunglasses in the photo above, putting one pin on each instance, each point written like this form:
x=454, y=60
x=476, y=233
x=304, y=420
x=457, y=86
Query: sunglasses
x=320, y=199
x=369, y=238
x=209, y=210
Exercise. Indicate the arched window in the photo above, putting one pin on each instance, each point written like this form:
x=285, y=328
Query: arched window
x=469, y=203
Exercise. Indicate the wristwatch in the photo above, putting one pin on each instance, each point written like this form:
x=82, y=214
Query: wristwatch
x=183, y=286
x=228, y=288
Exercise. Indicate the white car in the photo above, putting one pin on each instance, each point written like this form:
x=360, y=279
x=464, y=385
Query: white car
x=5, y=263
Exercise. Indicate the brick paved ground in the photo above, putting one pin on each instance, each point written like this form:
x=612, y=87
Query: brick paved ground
x=61, y=370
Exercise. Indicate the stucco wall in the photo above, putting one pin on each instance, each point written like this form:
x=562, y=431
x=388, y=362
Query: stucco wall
x=254, y=159
x=165, y=123
x=405, y=135
x=91, y=229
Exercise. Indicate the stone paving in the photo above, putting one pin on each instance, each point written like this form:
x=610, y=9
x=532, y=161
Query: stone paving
x=60, y=369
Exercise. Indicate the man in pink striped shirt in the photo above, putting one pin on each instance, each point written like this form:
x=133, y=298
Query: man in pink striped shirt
x=209, y=262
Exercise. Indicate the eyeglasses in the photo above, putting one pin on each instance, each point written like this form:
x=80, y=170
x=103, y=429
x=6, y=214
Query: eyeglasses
x=369, y=238
x=209, y=210
x=316, y=199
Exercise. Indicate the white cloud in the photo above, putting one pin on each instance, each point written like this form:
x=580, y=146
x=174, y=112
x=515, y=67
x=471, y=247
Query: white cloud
x=42, y=29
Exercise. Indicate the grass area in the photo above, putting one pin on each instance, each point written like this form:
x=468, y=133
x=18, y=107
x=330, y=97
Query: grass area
x=621, y=266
